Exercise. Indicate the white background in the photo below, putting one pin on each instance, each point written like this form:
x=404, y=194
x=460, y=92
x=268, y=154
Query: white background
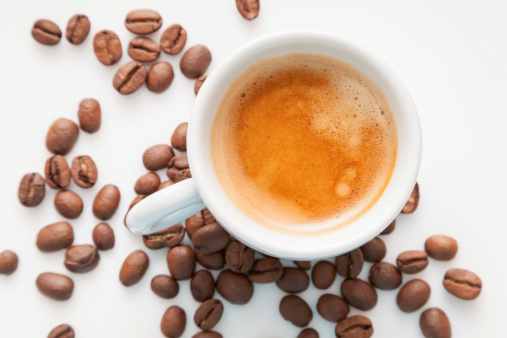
x=451, y=55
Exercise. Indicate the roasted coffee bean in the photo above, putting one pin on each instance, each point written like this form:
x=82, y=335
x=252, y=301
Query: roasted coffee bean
x=55, y=286
x=295, y=310
x=249, y=9
x=61, y=136
x=68, y=204
x=305, y=265
x=31, y=190
x=103, y=236
x=173, y=40
x=202, y=285
x=89, y=115
x=164, y=184
x=46, y=32
x=412, y=261
x=173, y=322
x=78, y=29
x=107, y=47
x=106, y=202
x=165, y=286
x=235, y=287
x=8, y=262
x=332, y=308
x=239, y=257
x=323, y=274
x=198, y=83
x=62, y=331
x=212, y=261
x=441, y=247
x=81, y=258
x=147, y=184
x=57, y=172
x=179, y=138
x=157, y=157
x=134, y=267
x=55, y=237
x=207, y=334
x=130, y=77
x=385, y=276
x=195, y=61
x=349, y=265
x=266, y=270
x=308, y=333
x=143, y=21
x=208, y=314
x=177, y=169
x=181, y=262
x=160, y=76
x=143, y=49
x=413, y=295
x=293, y=280
x=136, y=200
x=84, y=172
x=166, y=238
x=359, y=294
x=197, y=221
x=413, y=201
x=374, y=250
x=210, y=238
x=462, y=283
x=390, y=228
x=354, y=327
x=435, y=324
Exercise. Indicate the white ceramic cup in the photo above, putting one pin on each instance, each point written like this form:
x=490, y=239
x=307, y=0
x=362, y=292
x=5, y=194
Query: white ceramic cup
x=181, y=200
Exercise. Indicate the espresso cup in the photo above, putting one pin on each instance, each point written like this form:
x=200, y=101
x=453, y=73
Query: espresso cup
x=181, y=200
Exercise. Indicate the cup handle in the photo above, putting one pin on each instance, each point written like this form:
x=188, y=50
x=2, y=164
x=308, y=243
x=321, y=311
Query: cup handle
x=164, y=208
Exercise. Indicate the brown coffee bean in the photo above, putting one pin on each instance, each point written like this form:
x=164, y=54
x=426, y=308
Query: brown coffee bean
x=31, y=190
x=179, y=138
x=208, y=314
x=55, y=286
x=81, y=258
x=202, y=285
x=160, y=76
x=293, y=280
x=239, y=257
x=462, y=283
x=385, y=276
x=61, y=136
x=374, y=250
x=143, y=21
x=166, y=238
x=435, y=324
x=136, y=200
x=413, y=295
x=323, y=274
x=173, y=40
x=134, y=267
x=173, y=322
x=354, y=327
x=57, y=172
x=349, y=265
x=195, y=61
x=130, y=77
x=157, y=157
x=78, y=29
x=181, y=262
x=84, y=172
x=8, y=262
x=412, y=261
x=295, y=310
x=359, y=294
x=207, y=334
x=106, y=202
x=107, y=47
x=198, y=83
x=197, y=221
x=413, y=201
x=308, y=333
x=62, y=331
x=89, y=115
x=46, y=32
x=164, y=184
x=390, y=228
x=305, y=265
x=178, y=169
x=55, y=237
x=266, y=270
x=68, y=204
x=210, y=238
x=332, y=308
x=249, y=9
x=441, y=247
x=165, y=286
x=212, y=261
x=147, y=184
x=103, y=236
x=235, y=287
x=143, y=49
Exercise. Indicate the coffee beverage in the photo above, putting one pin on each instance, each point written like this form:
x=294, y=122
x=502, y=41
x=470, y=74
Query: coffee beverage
x=295, y=310
x=293, y=280
x=134, y=267
x=303, y=143
x=78, y=29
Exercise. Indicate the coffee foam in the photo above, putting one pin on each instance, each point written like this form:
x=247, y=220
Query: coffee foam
x=303, y=143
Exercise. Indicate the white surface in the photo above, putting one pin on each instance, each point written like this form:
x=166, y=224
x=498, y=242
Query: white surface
x=450, y=54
